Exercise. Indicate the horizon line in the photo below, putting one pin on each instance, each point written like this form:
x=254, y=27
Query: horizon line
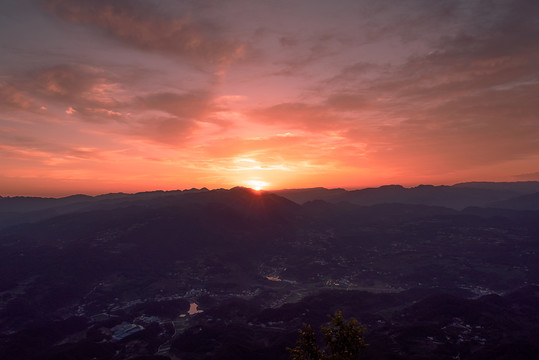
x=262, y=190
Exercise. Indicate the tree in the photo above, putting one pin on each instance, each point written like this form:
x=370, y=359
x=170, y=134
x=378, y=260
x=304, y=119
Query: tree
x=306, y=346
x=343, y=340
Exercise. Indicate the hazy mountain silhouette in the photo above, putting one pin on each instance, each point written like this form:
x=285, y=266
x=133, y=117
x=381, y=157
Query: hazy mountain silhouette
x=456, y=196
x=309, y=194
x=14, y=210
x=518, y=187
x=523, y=202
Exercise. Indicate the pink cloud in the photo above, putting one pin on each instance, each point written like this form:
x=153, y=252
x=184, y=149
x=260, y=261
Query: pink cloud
x=172, y=131
x=76, y=84
x=13, y=98
x=29, y=148
x=291, y=151
x=298, y=115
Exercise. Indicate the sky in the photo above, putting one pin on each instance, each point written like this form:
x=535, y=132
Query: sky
x=125, y=96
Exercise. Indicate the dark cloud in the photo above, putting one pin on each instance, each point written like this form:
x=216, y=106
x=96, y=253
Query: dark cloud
x=91, y=94
x=351, y=74
x=349, y=102
x=183, y=113
x=191, y=105
x=138, y=24
x=84, y=91
x=306, y=52
x=470, y=101
x=483, y=129
x=288, y=41
x=65, y=82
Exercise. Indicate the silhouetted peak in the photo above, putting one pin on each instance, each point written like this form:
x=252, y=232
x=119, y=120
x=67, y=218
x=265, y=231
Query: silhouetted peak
x=518, y=187
x=422, y=186
x=240, y=189
x=77, y=197
x=112, y=195
x=391, y=187
x=195, y=190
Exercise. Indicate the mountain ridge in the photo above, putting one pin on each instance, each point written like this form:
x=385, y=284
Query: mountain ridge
x=515, y=196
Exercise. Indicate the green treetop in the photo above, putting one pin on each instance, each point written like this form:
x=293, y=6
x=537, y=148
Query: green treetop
x=343, y=340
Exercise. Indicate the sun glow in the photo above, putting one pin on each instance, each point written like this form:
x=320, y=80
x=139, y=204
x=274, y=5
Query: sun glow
x=257, y=184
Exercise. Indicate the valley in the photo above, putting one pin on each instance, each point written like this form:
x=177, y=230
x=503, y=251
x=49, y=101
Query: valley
x=229, y=274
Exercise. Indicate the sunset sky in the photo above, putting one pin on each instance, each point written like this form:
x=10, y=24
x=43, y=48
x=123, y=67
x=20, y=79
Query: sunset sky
x=107, y=96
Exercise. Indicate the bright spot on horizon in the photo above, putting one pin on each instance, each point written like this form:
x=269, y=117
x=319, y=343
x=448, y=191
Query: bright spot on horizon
x=257, y=184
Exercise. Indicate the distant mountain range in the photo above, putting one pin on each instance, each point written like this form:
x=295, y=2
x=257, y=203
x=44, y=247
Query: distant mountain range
x=510, y=195
x=503, y=195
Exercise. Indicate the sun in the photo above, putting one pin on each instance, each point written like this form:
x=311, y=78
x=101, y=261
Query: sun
x=257, y=184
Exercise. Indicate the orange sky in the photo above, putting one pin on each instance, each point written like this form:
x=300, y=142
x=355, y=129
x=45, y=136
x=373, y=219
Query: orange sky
x=99, y=96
